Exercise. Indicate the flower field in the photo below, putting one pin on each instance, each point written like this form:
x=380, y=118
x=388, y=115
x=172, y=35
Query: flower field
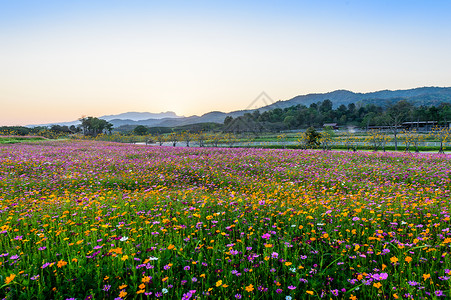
x=98, y=220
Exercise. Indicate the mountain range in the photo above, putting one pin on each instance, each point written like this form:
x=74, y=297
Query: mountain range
x=418, y=96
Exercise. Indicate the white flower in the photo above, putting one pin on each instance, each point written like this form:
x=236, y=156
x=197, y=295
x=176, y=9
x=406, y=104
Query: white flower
x=293, y=270
x=153, y=258
x=124, y=238
x=164, y=291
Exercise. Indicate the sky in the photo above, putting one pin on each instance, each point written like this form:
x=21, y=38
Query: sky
x=61, y=60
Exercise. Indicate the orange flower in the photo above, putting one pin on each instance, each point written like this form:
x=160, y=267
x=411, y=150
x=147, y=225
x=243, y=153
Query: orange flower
x=145, y=279
x=164, y=279
x=249, y=288
x=394, y=259
x=288, y=264
x=352, y=297
x=61, y=263
x=408, y=259
x=426, y=276
x=10, y=278
x=122, y=286
x=122, y=294
x=377, y=285
x=171, y=247
x=310, y=292
x=142, y=286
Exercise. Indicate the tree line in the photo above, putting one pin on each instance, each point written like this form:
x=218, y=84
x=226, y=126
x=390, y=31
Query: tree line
x=317, y=114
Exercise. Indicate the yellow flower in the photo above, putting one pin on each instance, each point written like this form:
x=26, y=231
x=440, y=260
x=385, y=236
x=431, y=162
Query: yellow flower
x=10, y=278
x=249, y=288
x=125, y=257
x=164, y=279
x=219, y=283
x=140, y=291
x=426, y=276
x=310, y=292
x=268, y=245
x=288, y=264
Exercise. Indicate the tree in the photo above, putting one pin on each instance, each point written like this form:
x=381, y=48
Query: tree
x=140, y=130
x=173, y=137
x=201, y=139
x=93, y=126
x=160, y=139
x=395, y=115
x=282, y=139
x=230, y=139
x=228, y=120
x=326, y=138
x=187, y=137
x=442, y=134
x=312, y=137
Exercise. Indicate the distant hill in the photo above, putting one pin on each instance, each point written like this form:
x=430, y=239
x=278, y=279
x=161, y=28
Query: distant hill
x=139, y=116
x=419, y=96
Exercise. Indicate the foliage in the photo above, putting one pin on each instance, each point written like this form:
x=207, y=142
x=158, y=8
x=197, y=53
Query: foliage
x=93, y=126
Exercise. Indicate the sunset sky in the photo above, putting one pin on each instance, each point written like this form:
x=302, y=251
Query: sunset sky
x=60, y=60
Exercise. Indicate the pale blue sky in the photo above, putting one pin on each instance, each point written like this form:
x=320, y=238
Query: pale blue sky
x=60, y=60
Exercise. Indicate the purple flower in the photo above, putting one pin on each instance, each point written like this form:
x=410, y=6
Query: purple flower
x=238, y=296
x=291, y=287
x=106, y=287
x=334, y=292
x=186, y=268
x=266, y=236
x=439, y=293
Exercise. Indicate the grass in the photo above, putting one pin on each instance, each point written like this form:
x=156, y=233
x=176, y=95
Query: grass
x=19, y=139
x=106, y=220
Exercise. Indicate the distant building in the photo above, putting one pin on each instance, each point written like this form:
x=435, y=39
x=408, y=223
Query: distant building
x=331, y=125
x=420, y=125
